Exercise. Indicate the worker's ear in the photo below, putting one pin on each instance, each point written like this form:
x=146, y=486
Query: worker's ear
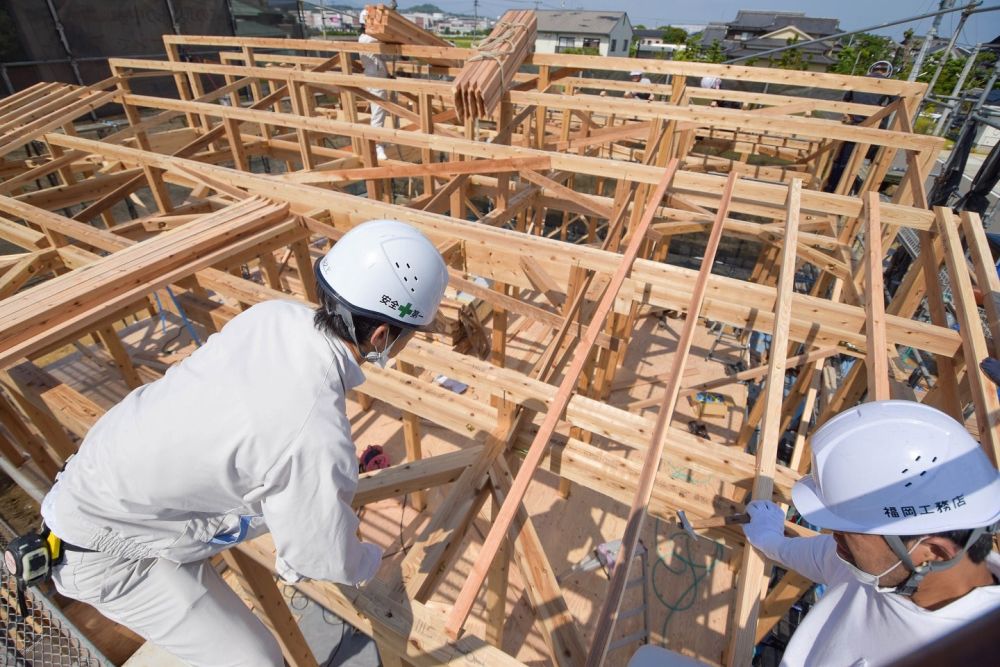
x=379, y=338
x=935, y=548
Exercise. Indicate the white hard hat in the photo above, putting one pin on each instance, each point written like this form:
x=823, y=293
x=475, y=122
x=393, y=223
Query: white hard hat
x=897, y=468
x=386, y=270
x=881, y=65
x=711, y=82
x=635, y=73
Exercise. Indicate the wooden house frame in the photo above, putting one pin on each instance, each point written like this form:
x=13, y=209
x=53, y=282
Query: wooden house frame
x=625, y=175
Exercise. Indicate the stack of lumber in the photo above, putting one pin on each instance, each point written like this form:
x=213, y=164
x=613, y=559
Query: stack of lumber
x=27, y=114
x=487, y=74
x=34, y=318
x=389, y=27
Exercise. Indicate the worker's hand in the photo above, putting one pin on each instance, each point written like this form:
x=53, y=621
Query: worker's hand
x=767, y=524
x=991, y=367
x=370, y=562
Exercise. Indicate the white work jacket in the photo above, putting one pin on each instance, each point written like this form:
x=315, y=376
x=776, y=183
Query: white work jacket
x=374, y=63
x=248, y=434
x=854, y=625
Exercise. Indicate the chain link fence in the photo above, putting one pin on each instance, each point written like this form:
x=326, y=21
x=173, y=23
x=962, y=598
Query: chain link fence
x=44, y=637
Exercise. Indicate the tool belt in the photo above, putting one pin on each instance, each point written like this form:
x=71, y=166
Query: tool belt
x=30, y=559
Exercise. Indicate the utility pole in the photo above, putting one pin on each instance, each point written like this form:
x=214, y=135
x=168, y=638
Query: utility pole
x=951, y=45
x=953, y=100
x=475, y=14
x=928, y=38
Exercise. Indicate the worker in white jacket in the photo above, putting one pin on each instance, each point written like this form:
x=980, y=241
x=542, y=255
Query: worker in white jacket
x=247, y=435
x=374, y=64
x=913, y=502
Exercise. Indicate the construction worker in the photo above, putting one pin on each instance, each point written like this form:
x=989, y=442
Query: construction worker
x=912, y=501
x=638, y=77
x=247, y=435
x=374, y=64
x=881, y=69
x=715, y=83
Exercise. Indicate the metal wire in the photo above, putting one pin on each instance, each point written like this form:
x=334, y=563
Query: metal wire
x=45, y=636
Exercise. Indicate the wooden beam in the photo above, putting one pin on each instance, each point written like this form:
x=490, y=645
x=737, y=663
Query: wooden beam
x=974, y=349
x=751, y=582
x=260, y=584
x=619, y=576
x=463, y=604
x=876, y=357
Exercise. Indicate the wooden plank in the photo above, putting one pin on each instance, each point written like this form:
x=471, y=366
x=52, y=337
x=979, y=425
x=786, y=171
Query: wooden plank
x=543, y=282
x=786, y=592
x=752, y=566
x=984, y=393
x=753, y=300
x=260, y=585
x=619, y=577
x=73, y=300
x=876, y=358
x=463, y=604
x=987, y=279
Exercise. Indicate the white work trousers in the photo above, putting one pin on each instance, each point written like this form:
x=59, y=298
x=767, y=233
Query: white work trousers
x=187, y=610
x=378, y=111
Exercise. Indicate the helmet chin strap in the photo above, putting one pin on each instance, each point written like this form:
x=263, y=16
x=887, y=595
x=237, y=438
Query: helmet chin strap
x=345, y=314
x=918, y=572
x=340, y=310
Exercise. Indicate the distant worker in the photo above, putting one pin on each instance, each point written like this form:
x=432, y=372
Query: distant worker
x=248, y=435
x=882, y=69
x=913, y=502
x=374, y=64
x=638, y=77
x=715, y=83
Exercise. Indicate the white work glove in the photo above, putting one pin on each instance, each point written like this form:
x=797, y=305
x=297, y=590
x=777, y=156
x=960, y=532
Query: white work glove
x=370, y=561
x=766, y=529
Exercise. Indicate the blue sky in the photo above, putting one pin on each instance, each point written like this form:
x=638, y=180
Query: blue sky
x=853, y=14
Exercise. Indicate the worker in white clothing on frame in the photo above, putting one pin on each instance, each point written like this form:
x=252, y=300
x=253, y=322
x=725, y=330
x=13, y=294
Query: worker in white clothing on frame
x=374, y=65
x=913, y=502
x=247, y=435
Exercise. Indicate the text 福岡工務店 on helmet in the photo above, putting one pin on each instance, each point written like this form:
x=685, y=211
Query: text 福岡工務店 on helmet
x=897, y=468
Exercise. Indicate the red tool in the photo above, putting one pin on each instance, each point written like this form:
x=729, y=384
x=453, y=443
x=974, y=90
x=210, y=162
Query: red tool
x=373, y=458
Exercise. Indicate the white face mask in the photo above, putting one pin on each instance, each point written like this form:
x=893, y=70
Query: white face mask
x=381, y=359
x=869, y=579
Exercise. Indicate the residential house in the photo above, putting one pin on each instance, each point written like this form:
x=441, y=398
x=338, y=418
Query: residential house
x=650, y=44
x=600, y=33
x=426, y=20
x=754, y=32
x=321, y=18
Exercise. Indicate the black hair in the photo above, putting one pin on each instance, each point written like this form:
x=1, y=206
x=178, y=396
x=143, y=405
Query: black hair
x=329, y=322
x=977, y=551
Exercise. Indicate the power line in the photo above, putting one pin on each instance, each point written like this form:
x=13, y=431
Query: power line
x=911, y=19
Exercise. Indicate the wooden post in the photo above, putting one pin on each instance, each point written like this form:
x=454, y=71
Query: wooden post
x=752, y=566
x=411, y=435
x=261, y=586
x=463, y=604
x=876, y=359
x=619, y=576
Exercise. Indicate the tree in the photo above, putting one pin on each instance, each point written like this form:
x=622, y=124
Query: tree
x=694, y=51
x=978, y=75
x=792, y=58
x=863, y=50
x=672, y=35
